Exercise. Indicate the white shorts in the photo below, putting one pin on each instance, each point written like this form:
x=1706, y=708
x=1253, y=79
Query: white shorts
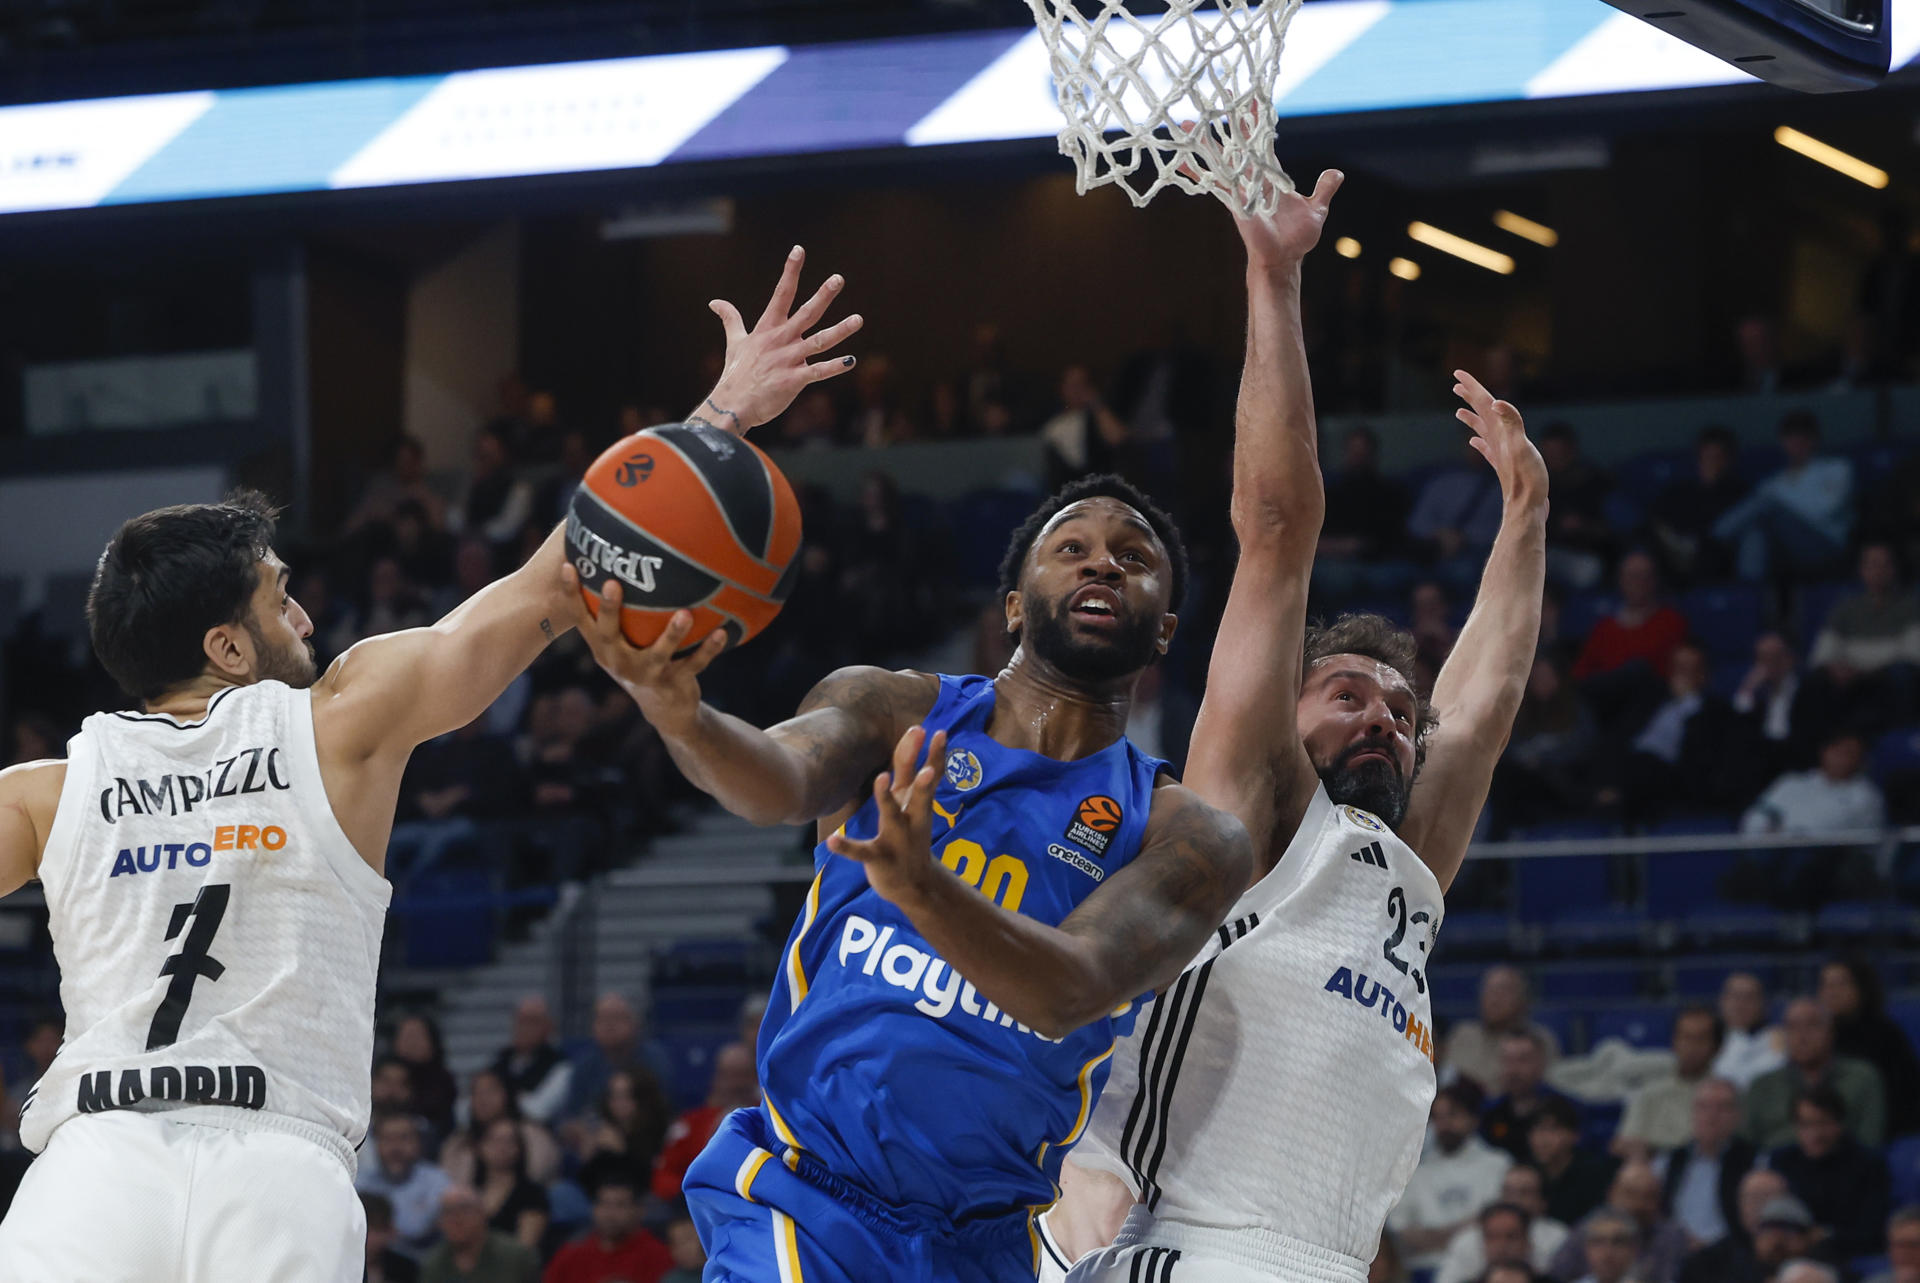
x=123, y=1197
x=1151, y=1251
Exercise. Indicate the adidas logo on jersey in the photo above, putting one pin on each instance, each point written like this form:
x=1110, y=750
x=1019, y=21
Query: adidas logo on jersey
x=1370, y=854
x=918, y=970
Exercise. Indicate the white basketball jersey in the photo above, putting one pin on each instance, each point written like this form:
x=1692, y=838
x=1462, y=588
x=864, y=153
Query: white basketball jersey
x=218, y=936
x=1277, y=1094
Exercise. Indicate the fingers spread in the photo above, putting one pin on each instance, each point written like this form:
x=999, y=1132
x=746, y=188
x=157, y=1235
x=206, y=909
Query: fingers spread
x=907, y=751
x=782, y=301
x=816, y=307
x=836, y=334
x=730, y=321
x=820, y=371
x=1323, y=190
x=710, y=648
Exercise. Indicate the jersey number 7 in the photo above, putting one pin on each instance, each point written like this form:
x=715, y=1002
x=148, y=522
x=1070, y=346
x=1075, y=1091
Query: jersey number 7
x=192, y=962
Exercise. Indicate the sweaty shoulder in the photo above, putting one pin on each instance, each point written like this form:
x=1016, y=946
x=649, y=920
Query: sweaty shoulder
x=29, y=798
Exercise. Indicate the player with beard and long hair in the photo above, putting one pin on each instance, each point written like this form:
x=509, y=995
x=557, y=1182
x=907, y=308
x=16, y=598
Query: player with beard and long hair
x=1265, y=1115
x=214, y=874
x=979, y=928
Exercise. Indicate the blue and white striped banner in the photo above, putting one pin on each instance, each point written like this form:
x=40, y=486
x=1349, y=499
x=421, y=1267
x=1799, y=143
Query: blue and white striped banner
x=633, y=113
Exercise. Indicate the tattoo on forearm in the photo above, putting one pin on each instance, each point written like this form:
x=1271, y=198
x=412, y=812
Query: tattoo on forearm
x=739, y=426
x=546, y=629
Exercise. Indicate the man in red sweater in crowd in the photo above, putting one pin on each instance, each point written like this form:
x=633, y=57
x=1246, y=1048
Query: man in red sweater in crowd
x=734, y=1086
x=1642, y=629
x=617, y=1249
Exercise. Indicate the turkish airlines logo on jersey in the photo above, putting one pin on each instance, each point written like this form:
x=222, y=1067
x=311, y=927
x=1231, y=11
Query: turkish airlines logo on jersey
x=1095, y=821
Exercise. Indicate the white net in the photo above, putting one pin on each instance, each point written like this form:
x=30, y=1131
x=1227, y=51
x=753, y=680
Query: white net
x=1176, y=99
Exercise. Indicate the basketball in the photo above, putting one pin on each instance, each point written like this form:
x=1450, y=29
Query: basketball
x=686, y=517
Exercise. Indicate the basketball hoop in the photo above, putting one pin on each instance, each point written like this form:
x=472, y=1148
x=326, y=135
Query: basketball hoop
x=1180, y=99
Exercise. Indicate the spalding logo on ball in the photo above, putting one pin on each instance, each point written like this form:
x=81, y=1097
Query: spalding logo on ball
x=714, y=530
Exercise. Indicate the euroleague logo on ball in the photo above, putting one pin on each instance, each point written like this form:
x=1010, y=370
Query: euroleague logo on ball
x=1095, y=821
x=636, y=469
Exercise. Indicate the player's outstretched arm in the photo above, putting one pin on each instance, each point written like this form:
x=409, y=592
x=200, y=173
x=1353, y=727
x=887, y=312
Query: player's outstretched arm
x=1137, y=932
x=1246, y=755
x=29, y=796
x=808, y=766
x=1478, y=691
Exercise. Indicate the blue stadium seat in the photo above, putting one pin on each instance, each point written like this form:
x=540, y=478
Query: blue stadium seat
x=690, y=1050
x=1726, y=619
x=696, y=1004
x=1859, y=919
x=1547, y=888
x=1903, y=1160
x=1599, y=1120
x=1645, y=1026
x=1906, y=1014
x=1646, y=475
x=1454, y=988
x=1741, y=924
x=1580, y=611
x=1564, y=1023
x=1680, y=882
x=1703, y=980
x=568, y=1205
x=448, y=918
x=1897, y=752
x=1816, y=603
x=1473, y=931
x=1590, y=983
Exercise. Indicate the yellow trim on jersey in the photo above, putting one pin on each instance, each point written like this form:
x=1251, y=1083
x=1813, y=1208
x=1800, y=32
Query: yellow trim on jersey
x=780, y=1128
x=786, y=1247
x=1033, y=1236
x=1086, y=1095
x=749, y=1168
x=796, y=974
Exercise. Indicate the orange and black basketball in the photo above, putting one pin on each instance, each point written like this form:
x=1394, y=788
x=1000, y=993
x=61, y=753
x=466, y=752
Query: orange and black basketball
x=686, y=517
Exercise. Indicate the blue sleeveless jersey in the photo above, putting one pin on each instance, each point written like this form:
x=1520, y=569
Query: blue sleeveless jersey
x=882, y=1062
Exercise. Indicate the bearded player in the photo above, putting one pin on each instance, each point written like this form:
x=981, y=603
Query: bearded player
x=1265, y=1114
x=979, y=928
x=214, y=875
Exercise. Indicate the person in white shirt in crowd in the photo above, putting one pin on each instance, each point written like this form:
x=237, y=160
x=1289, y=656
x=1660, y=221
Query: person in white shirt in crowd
x=1515, y=1228
x=1701, y=1179
x=1749, y=1045
x=409, y=1182
x=1807, y=1272
x=532, y=1064
x=1509, y=1272
x=1459, y=1174
x=1903, y=1248
x=1660, y=1244
x=1473, y=1048
x=1660, y=1115
x=1612, y=1243
x=1799, y=518
x=1835, y=796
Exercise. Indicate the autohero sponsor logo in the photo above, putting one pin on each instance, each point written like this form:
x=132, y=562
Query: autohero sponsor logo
x=1357, y=988
x=166, y=856
x=872, y=950
x=596, y=558
x=1095, y=821
x=250, y=771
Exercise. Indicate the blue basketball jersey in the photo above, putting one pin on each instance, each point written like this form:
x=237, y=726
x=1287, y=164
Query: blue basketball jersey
x=882, y=1062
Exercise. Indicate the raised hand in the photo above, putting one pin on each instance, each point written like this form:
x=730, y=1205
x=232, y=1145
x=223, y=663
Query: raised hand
x=900, y=856
x=771, y=364
x=1285, y=236
x=666, y=688
x=1500, y=435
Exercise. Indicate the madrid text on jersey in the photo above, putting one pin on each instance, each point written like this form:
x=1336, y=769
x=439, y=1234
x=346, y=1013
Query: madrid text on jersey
x=251, y=770
x=240, y=1086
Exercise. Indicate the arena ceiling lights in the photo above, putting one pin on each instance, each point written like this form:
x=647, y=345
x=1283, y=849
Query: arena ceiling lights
x=634, y=113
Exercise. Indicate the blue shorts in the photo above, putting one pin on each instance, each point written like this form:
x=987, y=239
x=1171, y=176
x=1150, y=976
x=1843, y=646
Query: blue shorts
x=768, y=1213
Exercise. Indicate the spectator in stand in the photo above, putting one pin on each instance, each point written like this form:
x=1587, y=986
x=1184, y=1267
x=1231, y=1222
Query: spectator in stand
x=1797, y=520
x=1610, y=1244
x=389, y=602
x=1642, y=630
x=1580, y=540
x=1456, y=515
x=1634, y=1198
x=1533, y=1238
x=416, y=1042
x=628, y=1132
x=1701, y=1179
x=1433, y=632
x=490, y=1101
x=1085, y=436
x=1575, y=1181
x=532, y=1064
x=1509, y=1272
x=473, y=569
x=1682, y=753
x=1835, y=796
x=1773, y=700
x=1523, y=1092
x=496, y=503
x=1903, y=1248
x=887, y=593
x=1851, y=991
x=1844, y=1184
x=1807, y=1272
x=1473, y=1049
x=1459, y=1174
x=407, y=1181
x=617, y=1045
x=470, y=1252
x=449, y=787
x=402, y=481
x=1735, y=1258
x=1660, y=1115
x=734, y=1086
x=537, y=437
x=515, y=1204
x=424, y=554
x=384, y=1264
x=1682, y=516
x=1749, y=1046
x=689, y=1258
x=1547, y=769
x=1811, y=1062
x=391, y=1093
x=550, y=504
x=616, y=1249
x=1864, y=659
x=1363, y=539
